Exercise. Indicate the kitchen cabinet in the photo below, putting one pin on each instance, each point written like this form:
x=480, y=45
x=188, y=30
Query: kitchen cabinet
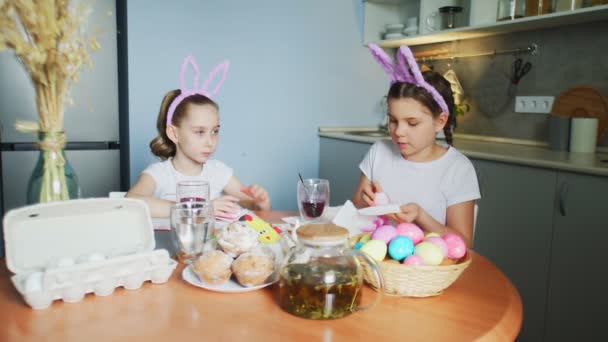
x=546, y=230
x=339, y=163
x=577, y=292
x=378, y=13
x=513, y=230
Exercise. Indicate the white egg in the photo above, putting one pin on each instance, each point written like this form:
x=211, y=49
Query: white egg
x=33, y=283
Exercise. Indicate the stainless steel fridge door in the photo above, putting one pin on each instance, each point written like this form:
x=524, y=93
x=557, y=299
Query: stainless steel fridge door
x=94, y=114
x=97, y=171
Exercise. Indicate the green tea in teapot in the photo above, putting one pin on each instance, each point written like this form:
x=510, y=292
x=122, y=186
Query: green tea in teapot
x=320, y=290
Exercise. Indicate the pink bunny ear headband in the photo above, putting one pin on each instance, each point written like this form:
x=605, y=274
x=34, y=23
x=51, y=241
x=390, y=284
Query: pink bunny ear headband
x=408, y=73
x=204, y=89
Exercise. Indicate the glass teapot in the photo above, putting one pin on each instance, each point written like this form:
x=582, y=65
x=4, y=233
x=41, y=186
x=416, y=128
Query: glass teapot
x=321, y=278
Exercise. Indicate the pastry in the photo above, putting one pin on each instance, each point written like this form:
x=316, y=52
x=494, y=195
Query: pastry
x=253, y=268
x=213, y=267
x=237, y=238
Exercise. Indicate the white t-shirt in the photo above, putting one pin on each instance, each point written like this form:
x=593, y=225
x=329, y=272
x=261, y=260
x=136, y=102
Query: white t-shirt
x=433, y=185
x=166, y=177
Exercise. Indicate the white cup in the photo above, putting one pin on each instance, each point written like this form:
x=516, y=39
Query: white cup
x=583, y=135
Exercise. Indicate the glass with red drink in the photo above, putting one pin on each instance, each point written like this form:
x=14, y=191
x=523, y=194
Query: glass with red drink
x=313, y=198
x=192, y=191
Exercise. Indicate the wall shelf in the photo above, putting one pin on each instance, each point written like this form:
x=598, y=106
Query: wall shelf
x=583, y=15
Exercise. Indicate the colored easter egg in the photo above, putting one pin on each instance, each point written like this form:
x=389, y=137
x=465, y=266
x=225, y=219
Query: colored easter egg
x=400, y=248
x=384, y=233
x=431, y=254
x=414, y=260
x=439, y=242
x=410, y=230
x=359, y=244
x=456, y=246
x=376, y=249
x=378, y=222
x=381, y=199
x=384, y=219
x=431, y=234
x=365, y=237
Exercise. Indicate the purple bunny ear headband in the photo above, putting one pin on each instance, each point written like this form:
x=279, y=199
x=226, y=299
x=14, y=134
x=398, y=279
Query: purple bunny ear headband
x=405, y=70
x=204, y=89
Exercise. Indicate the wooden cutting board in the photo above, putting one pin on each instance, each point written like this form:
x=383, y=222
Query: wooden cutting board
x=583, y=102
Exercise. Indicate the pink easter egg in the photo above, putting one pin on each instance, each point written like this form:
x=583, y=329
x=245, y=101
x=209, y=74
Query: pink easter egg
x=384, y=233
x=378, y=222
x=410, y=230
x=414, y=260
x=456, y=246
x=384, y=219
x=381, y=199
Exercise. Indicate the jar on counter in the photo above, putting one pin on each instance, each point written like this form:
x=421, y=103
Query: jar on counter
x=538, y=7
x=567, y=5
x=511, y=9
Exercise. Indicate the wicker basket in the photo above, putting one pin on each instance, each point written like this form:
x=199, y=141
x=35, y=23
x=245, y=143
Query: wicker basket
x=416, y=281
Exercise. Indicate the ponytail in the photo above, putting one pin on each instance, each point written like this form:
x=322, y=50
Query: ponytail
x=161, y=146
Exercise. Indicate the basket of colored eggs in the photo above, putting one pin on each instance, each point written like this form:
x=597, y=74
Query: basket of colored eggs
x=412, y=264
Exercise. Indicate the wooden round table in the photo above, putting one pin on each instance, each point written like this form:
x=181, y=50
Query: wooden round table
x=481, y=305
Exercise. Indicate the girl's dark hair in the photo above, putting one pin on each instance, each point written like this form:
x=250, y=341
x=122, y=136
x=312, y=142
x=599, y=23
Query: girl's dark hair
x=400, y=90
x=161, y=146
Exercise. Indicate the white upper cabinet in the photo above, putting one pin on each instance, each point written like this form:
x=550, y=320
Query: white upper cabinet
x=478, y=19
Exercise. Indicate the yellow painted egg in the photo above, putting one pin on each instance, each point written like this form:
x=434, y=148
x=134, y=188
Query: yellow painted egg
x=365, y=237
x=431, y=234
x=429, y=252
x=376, y=249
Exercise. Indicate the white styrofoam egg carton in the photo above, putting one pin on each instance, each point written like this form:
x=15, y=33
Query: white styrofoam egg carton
x=64, y=250
x=71, y=283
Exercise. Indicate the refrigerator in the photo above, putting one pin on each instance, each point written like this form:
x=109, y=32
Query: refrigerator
x=92, y=123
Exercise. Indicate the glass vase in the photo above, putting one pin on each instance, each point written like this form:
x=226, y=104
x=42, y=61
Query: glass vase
x=53, y=178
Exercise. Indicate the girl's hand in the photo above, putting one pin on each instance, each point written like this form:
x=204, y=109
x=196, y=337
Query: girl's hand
x=368, y=193
x=226, y=206
x=259, y=195
x=409, y=213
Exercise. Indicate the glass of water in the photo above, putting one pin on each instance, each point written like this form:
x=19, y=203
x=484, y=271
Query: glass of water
x=191, y=225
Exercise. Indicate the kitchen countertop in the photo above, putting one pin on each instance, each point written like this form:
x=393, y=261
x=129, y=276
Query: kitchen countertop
x=523, y=152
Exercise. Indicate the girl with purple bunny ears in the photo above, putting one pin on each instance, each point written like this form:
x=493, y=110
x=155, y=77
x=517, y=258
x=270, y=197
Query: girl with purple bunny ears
x=188, y=132
x=434, y=184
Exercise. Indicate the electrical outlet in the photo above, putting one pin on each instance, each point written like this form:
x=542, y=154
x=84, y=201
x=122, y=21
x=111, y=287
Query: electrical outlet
x=533, y=104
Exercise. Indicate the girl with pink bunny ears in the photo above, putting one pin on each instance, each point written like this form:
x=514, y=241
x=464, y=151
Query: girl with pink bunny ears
x=188, y=132
x=434, y=184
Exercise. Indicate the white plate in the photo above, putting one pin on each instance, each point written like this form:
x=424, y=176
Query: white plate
x=380, y=210
x=231, y=286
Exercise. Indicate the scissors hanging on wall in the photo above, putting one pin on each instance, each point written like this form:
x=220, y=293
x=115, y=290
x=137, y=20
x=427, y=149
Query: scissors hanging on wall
x=519, y=70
